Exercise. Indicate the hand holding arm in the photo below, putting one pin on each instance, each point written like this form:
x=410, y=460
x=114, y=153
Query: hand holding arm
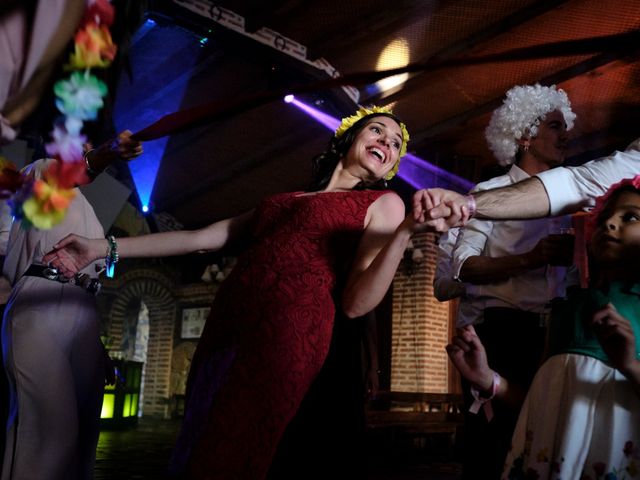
x=615, y=334
x=522, y=200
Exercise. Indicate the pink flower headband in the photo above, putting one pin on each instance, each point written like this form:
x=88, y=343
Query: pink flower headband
x=602, y=201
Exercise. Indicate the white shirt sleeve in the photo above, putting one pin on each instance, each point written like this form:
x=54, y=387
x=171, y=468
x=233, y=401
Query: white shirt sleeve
x=471, y=242
x=445, y=287
x=573, y=188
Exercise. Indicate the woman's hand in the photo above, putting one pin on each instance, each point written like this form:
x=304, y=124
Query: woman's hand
x=126, y=147
x=73, y=253
x=440, y=209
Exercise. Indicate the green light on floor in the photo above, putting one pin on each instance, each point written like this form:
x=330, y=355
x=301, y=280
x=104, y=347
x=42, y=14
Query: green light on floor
x=107, y=405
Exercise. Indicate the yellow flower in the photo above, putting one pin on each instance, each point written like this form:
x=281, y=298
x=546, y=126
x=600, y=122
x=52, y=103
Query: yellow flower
x=48, y=205
x=348, y=122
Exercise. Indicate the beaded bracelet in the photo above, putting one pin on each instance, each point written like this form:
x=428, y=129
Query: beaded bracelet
x=485, y=402
x=112, y=257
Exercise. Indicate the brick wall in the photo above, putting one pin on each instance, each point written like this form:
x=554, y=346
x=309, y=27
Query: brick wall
x=420, y=326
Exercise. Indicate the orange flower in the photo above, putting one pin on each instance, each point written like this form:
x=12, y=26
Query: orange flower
x=48, y=205
x=93, y=48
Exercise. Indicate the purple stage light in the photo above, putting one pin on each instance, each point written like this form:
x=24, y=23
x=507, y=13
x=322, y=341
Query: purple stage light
x=327, y=120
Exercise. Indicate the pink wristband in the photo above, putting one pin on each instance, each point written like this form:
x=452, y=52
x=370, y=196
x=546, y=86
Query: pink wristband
x=471, y=205
x=485, y=402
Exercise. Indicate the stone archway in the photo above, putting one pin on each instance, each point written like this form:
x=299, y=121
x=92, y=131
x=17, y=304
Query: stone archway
x=155, y=290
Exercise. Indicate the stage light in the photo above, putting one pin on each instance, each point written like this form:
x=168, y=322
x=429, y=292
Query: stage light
x=327, y=120
x=289, y=98
x=396, y=54
x=145, y=208
x=150, y=101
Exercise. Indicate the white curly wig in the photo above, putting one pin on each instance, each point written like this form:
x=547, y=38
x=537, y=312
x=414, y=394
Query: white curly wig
x=520, y=115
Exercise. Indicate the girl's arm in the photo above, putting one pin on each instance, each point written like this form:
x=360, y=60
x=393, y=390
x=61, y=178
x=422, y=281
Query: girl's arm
x=74, y=252
x=470, y=359
x=378, y=255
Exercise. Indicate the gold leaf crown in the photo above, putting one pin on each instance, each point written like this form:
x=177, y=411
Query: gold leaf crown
x=348, y=122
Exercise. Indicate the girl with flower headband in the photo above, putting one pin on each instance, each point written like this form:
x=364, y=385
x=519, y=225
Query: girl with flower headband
x=581, y=417
x=335, y=246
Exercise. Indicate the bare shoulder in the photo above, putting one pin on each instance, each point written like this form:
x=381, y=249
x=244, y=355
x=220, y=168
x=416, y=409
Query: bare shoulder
x=388, y=208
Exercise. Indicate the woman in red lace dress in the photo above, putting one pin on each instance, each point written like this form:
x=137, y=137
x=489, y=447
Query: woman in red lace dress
x=336, y=246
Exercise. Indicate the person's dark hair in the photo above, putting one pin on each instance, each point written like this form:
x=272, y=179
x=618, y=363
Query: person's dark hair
x=325, y=163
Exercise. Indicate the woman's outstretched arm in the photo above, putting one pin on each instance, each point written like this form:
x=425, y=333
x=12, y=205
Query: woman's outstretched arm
x=73, y=253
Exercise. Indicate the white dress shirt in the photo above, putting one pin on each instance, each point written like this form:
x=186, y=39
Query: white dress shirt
x=530, y=291
x=446, y=287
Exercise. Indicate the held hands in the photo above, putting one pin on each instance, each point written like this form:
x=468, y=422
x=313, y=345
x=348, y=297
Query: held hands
x=73, y=253
x=616, y=336
x=469, y=357
x=439, y=209
x=126, y=147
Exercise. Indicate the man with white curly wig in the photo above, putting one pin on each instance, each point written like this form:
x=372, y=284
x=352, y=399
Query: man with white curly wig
x=516, y=269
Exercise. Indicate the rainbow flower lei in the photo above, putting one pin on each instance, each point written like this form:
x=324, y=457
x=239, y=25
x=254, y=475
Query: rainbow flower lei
x=43, y=202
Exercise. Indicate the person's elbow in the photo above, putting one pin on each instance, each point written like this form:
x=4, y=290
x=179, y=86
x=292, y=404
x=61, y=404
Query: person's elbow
x=353, y=310
x=447, y=289
x=352, y=306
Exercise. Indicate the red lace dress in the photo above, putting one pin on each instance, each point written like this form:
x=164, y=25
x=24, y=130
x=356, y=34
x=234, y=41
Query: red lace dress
x=268, y=333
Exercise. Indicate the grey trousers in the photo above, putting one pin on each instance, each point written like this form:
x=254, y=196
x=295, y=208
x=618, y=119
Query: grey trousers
x=55, y=367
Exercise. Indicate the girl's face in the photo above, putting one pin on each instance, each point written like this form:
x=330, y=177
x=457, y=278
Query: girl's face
x=376, y=148
x=616, y=240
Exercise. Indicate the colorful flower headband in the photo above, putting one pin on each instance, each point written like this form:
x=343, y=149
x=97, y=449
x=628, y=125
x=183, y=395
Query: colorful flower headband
x=348, y=122
x=43, y=202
